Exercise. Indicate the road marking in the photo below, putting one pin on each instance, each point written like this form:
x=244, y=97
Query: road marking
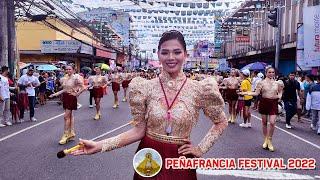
x=33, y=126
x=263, y=174
x=298, y=137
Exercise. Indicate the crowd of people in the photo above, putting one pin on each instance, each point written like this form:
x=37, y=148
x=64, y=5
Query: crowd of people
x=165, y=103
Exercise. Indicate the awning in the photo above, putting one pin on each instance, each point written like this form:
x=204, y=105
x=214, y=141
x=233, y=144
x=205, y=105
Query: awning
x=105, y=52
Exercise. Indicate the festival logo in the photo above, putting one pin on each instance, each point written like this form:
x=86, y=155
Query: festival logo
x=147, y=162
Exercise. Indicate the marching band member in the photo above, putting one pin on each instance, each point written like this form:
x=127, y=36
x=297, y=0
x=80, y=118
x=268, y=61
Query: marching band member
x=231, y=85
x=99, y=82
x=165, y=109
x=73, y=86
x=271, y=91
x=116, y=81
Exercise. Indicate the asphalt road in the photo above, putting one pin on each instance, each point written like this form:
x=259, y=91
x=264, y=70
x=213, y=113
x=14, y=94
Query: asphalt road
x=28, y=150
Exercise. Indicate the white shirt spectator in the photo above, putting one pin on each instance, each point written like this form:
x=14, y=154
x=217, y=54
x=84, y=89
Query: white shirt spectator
x=25, y=80
x=4, y=88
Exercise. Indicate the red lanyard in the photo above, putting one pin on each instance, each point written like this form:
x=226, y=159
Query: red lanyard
x=165, y=96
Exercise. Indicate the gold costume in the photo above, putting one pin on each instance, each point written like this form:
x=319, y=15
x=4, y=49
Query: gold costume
x=148, y=106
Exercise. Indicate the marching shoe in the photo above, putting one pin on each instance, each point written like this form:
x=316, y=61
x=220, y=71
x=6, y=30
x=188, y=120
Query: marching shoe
x=229, y=120
x=98, y=116
x=270, y=146
x=233, y=119
x=124, y=100
x=64, y=138
x=71, y=135
x=265, y=143
x=249, y=125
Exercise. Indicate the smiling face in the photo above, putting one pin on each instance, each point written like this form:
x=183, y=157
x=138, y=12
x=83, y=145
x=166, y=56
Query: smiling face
x=172, y=56
x=270, y=73
x=69, y=70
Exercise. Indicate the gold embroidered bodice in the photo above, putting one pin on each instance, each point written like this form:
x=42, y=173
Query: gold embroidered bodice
x=116, y=78
x=270, y=88
x=231, y=82
x=98, y=80
x=148, y=106
x=72, y=84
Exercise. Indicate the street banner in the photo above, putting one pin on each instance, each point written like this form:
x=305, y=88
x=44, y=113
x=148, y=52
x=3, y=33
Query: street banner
x=311, y=21
x=118, y=21
x=301, y=63
x=65, y=46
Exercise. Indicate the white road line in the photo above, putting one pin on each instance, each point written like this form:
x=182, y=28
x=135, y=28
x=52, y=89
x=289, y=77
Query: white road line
x=298, y=137
x=33, y=126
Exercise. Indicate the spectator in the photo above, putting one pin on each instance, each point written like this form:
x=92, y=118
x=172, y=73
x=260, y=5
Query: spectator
x=308, y=83
x=29, y=83
x=43, y=87
x=290, y=94
x=313, y=103
x=4, y=97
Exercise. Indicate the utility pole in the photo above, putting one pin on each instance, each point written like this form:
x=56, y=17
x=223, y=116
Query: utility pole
x=11, y=37
x=278, y=37
x=3, y=34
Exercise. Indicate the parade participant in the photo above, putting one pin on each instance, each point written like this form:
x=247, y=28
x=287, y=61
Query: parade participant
x=166, y=108
x=73, y=86
x=231, y=87
x=115, y=82
x=271, y=93
x=29, y=82
x=98, y=83
x=126, y=78
x=246, y=86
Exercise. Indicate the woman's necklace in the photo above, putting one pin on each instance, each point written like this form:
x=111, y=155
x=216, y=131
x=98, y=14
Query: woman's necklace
x=168, y=117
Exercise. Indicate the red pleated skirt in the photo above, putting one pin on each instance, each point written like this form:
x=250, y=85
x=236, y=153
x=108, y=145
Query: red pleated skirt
x=268, y=106
x=98, y=92
x=125, y=83
x=69, y=101
x=115, y=86
x=231, y=94
x=166, y=150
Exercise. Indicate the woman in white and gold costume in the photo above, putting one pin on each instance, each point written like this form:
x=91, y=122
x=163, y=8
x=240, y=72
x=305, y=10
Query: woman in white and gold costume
x=98, y=82
x=126, y=79
x=116, y=80
x=231, y=86
x=72, y=87
x=165, y=109
x=271, y=92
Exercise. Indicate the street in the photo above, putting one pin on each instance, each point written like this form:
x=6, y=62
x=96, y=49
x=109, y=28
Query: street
x=28, y=150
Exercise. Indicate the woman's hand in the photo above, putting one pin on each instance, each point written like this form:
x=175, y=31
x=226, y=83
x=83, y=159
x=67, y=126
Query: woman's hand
x=52, y=95
x=190, y=149
x=89, y=147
